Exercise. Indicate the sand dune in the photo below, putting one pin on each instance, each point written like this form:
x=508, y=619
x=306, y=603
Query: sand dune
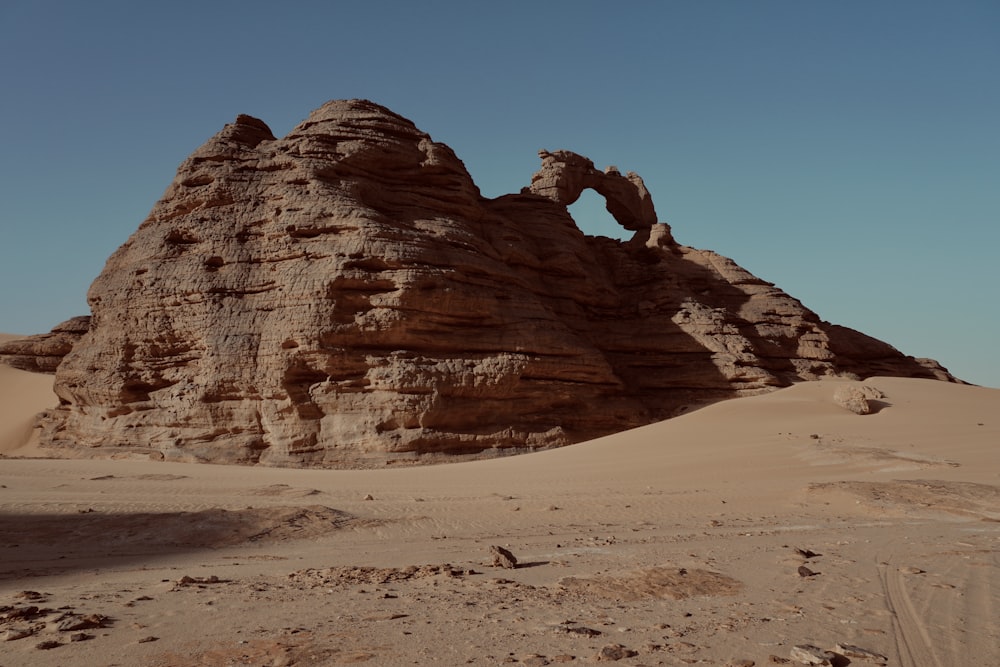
x=724, y=537
x=22, y=396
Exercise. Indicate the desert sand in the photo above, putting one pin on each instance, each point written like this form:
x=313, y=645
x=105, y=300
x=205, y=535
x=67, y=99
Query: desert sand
x=728, y=536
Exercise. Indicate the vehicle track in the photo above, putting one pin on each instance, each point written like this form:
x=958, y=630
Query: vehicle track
x=910, y=633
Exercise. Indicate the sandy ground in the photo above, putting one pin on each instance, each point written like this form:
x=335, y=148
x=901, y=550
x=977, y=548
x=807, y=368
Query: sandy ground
x=725, y=537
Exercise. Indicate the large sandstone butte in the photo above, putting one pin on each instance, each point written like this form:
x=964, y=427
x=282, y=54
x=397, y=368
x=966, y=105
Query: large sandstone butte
x=344, y=296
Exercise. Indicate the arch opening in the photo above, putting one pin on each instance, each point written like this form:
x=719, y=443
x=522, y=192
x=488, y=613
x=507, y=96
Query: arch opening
x=591, y=215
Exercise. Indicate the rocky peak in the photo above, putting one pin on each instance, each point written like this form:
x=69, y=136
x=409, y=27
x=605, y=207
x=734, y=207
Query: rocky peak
x=344, y=296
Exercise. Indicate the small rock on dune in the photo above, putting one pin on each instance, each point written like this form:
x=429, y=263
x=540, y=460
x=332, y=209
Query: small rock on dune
x=856, y=398
x=503, y=558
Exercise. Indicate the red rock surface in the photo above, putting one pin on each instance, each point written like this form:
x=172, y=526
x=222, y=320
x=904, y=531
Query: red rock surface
x=344, y=296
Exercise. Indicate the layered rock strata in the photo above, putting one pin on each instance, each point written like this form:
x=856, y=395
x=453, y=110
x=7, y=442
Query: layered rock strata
x=344, y=296
x=43, y=353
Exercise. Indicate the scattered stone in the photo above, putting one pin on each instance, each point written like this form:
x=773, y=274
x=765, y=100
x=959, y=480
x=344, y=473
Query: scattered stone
x=13, y=613
x=912, y=570
x=80, y=637
x=586, y=632
x=199, y=581
x=534, y=660
x=806, y=572
x=13, y=634
x=613, y=652
x=779, y=660
x=146, y=640
x=851, y=651
x=48, y=644
x=368, y=496
x=76, y=622
x=29, y=595
x=807, y=654
x=807, y=553
x=385, y=617
x=503, y=558
x=564, y=657
x=740, y=663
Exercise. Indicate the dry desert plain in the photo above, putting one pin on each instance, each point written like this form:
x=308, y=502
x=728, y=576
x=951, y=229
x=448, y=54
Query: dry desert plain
x=728, y=536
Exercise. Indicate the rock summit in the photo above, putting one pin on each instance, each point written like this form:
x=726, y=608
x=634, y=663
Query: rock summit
x=345, y=296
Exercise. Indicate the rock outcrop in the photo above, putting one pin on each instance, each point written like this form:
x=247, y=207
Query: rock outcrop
x=344, y=296
x=43, y=353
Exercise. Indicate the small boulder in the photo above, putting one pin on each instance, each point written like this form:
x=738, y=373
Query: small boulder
x=851, y=651
x=856, y=398
x=807, y=654
x=503, y=558
x=613, y=652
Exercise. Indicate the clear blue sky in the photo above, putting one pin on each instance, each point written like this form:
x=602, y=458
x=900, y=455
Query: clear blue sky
x=848, y=151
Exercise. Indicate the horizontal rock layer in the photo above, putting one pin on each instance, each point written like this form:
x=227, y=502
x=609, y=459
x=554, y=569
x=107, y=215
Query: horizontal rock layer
x=344, y=296
x=44, y=352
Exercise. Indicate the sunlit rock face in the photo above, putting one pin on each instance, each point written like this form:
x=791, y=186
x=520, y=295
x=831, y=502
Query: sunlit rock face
x=344, y=296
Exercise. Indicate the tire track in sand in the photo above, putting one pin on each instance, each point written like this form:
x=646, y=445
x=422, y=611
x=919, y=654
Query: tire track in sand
x=979, y=601
x=913, y=641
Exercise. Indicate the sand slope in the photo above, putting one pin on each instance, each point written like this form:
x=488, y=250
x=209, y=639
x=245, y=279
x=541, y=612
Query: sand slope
x=667, y=545
x=22, y=396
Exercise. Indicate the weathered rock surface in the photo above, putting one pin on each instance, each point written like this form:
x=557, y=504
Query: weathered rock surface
x=42, y=353
x=857, y=398
x=344, y=296
x=564, y=175
x=807, y=654
x=852, y=651
x=503, y=558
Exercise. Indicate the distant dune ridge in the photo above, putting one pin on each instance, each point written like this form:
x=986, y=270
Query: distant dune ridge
x=345, y=296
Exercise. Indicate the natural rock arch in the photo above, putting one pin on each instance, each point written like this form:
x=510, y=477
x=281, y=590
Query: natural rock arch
x=345, y=296
x=564, y=175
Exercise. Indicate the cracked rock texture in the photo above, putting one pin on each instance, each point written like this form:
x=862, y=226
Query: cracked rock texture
x=344, y=296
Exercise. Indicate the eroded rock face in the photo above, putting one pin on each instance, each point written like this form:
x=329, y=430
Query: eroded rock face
x=344, y=296
x=564, y=175
x=43, y=353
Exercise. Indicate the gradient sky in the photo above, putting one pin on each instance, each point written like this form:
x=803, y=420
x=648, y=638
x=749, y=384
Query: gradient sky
x=848, y=151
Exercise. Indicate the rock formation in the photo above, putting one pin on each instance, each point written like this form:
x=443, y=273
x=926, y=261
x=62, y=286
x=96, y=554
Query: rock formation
x=344, y=296
x=564, y=175
x=44, y=352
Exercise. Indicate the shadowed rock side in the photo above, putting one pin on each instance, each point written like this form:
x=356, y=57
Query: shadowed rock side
x=345, y=296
